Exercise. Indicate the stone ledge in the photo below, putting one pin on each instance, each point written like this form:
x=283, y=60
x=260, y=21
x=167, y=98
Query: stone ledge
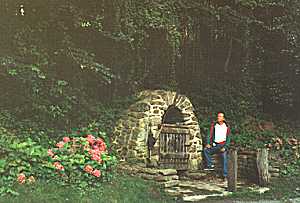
x=170, y=183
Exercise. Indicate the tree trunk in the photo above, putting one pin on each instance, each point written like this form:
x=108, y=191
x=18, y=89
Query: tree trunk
x=262, y=167
x=232, y=170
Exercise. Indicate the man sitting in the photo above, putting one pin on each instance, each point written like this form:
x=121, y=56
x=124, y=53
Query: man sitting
x=218, y=142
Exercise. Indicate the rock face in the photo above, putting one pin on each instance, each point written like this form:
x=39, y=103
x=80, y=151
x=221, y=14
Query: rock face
x=145, y=116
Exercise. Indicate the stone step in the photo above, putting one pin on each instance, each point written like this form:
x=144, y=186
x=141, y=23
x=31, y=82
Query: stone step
x=196, y=198
x=168, y=172
x=170, y=183
x=166, y=178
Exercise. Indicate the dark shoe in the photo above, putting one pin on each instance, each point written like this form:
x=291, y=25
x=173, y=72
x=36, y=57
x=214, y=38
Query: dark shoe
x=210, y=168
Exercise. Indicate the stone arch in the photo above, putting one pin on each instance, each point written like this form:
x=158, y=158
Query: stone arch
x=132, y=129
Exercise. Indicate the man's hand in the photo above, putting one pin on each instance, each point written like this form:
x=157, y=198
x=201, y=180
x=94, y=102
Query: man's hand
x=222, y=149
x=208, y=146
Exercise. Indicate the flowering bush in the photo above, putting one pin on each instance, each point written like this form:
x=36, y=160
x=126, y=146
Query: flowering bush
x=22, y=179
x=82, y=159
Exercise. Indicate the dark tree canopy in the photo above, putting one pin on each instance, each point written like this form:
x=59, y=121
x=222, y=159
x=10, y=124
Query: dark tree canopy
x=61, y=56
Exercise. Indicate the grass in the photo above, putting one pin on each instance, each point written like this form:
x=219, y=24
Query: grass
x=133, y=189
x=283, y=189
x=122, y=189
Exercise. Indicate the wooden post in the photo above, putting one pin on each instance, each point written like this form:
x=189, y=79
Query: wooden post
x=232, y=170
x=262, y=167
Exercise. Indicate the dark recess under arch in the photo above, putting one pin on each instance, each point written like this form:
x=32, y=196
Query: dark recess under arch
x=172, y=115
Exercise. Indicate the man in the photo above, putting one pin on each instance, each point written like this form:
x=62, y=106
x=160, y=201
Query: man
x=218, y=142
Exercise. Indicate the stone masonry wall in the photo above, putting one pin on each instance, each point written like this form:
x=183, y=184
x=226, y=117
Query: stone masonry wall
x=247, y=168
x=131, y=131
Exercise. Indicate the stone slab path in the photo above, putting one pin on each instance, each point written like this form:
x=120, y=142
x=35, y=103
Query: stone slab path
x=197, y=190
x=194, y=186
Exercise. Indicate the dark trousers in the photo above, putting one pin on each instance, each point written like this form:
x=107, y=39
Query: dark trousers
x=213, y=150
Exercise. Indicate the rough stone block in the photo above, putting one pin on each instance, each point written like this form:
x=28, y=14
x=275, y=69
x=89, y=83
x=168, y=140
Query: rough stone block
x=162, y=178
x=196, y=175
x=170, y=183
x=168, y=172
x=275, y=174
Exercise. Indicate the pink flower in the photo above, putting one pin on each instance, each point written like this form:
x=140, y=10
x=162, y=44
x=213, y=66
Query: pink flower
x=50, y=153
x=95, y=147
x=99, y=141
x=66, y=139
x=91, y=152
x=90, y=139
x=21, y=178
x=58, y=166
x=96, y=173
x=90, y=136
x=102, y=147
x=88, y=168
x=60, y=144
x=96, y=157
x=97, y=151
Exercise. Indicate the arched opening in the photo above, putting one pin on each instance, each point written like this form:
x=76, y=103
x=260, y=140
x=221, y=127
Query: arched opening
x=172, y=116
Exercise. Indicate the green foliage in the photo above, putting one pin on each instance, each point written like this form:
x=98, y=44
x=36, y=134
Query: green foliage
x=25, y=161
x=292, y=168
x=17, y=157
x=52, y=77
x=81, y=161
x=121, y=189
x=106, y=114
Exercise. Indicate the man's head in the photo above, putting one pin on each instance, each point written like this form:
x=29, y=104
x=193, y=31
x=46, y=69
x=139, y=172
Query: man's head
x=221, y=117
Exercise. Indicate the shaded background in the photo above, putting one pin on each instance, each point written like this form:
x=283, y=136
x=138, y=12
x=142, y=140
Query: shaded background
x=61, y=61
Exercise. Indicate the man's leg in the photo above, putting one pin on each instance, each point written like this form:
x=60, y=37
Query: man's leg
x=208, y=152
x=224, y=163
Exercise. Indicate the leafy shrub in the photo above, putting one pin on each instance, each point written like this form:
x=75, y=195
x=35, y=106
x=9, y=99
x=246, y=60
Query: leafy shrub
x=19, y=159
x=83, y=160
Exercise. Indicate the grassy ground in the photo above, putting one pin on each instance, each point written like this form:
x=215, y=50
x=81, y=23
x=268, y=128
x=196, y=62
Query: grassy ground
x=131, y=189
x=122, y=189
x=282, y=189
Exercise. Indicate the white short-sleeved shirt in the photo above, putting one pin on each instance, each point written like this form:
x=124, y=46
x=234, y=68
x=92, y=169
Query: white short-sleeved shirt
x=220, y=132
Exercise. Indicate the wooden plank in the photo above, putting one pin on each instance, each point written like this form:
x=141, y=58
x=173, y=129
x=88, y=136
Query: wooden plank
x=232, y=170
x=262, y=167
x=177, y=143
x=174, y=126
x=175, y=130
x=172, y=142
x=172, y=149
x=166, y=142
x=187, y=140
x=181, y=142
x=170, y=155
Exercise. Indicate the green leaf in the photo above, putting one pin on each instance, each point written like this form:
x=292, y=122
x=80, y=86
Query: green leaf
x=12, y=72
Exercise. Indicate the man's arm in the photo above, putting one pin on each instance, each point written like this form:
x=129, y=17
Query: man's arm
x=210, y=136
x=208, y=142
x=227, y=144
